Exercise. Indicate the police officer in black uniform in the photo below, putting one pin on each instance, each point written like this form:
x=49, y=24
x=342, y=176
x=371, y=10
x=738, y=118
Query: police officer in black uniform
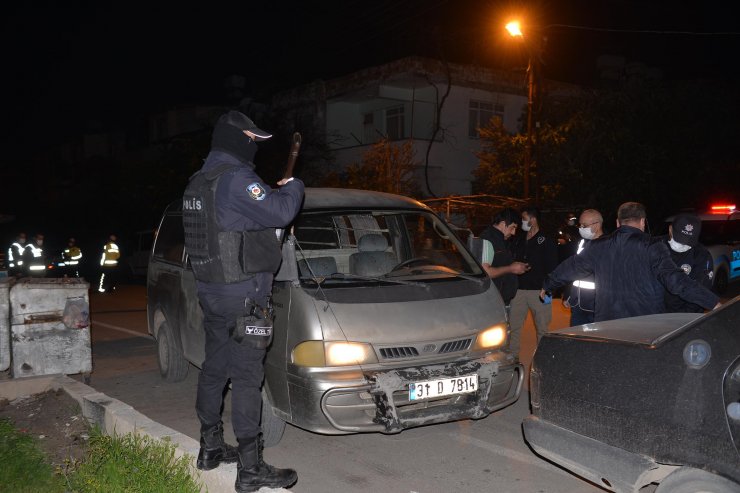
x=689, y=255
x=230, y=218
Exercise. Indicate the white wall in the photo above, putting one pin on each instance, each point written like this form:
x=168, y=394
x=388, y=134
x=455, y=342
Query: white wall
x=453, y=160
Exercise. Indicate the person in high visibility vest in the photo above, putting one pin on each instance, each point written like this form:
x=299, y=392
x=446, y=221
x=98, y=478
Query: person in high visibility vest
x=34, y=258
x=15, y=255
x=71, y=258
x=109, y=265
x=580, y=296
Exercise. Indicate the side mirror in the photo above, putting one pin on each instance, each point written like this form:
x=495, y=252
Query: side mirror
x=481, y=249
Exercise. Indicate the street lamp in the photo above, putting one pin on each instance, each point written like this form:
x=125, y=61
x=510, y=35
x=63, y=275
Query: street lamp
x=533, y=68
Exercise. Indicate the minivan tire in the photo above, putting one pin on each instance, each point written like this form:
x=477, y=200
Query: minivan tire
x=272, y=426
x=172, y=363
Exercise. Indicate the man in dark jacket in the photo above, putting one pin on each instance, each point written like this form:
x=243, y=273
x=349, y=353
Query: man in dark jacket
x=690, y=256
x=503, y=270
x=580, y=296
x=540, y=253
x=631, y=272
x=230, y=218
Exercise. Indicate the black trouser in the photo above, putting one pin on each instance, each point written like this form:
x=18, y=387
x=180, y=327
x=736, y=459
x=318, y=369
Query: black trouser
x=226, y=359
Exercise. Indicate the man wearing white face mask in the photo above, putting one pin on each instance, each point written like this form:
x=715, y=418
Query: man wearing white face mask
x=580, y=296
x=540, y=252
x=688, y=254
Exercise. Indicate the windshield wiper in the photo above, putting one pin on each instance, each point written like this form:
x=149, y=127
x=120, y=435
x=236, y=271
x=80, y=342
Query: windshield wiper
x=342, y=276
x=456, y=274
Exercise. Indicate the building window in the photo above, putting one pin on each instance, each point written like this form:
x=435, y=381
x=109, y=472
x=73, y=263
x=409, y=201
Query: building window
x=395, y=123
x=480, y=114
x=368, y=128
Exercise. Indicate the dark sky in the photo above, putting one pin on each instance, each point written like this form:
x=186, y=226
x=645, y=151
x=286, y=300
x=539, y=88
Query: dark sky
x=72, y=63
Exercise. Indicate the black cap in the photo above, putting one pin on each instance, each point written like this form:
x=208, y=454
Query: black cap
x=243, y=122
x=686, y=229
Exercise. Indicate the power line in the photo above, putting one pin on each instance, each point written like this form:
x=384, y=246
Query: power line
x=644, y=31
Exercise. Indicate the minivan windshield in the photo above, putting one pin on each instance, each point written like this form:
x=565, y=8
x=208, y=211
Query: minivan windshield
x=340, y=247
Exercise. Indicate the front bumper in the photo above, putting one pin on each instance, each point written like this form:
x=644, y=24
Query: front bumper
x=605, y=465
x=379, y=401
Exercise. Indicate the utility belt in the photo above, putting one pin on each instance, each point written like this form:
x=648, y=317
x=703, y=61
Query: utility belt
x=254, y=327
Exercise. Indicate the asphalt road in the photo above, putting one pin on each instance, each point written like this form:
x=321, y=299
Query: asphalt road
x=472, y=456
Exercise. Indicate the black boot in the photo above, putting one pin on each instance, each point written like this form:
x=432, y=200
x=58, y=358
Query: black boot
x=253, y=473
x=213, y=449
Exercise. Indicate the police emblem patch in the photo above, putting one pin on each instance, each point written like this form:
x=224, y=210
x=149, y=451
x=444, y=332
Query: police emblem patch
x=686, y=268
x=256, y=191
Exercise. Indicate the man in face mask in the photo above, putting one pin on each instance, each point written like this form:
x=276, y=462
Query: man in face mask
x=34, y=258
x=688, y=254
x=540, y=253
x=580, y=296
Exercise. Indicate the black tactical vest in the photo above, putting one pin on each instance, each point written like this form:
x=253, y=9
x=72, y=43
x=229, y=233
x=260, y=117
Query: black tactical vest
x=222, y=256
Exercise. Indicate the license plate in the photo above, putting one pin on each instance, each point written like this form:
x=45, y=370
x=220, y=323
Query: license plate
x=442, y=387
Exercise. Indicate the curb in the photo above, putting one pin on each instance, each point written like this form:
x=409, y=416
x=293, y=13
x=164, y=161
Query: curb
x=114, y=416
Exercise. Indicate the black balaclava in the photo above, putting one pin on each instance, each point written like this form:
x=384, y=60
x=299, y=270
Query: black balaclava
x=230, y=139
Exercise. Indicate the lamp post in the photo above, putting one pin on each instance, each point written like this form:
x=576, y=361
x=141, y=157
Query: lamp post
x=514, y=29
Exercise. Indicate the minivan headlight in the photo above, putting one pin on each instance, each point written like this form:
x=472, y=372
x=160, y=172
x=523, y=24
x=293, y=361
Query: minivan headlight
x=492, y=337
x=333, y=353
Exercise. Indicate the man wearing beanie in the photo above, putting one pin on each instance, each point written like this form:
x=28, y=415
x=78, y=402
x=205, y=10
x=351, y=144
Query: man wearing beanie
x=230, y=218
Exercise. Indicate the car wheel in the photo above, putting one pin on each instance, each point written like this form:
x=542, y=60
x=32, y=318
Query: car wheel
x=720, y=281
x=690, y=480
x=272, y=426
x=172, y=363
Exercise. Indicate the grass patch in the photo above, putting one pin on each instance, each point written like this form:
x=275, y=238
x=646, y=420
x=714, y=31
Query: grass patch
x=23, y=464
x=131, y=463
x=121, y=464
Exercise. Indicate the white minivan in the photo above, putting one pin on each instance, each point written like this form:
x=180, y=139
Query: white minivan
x=384, y=320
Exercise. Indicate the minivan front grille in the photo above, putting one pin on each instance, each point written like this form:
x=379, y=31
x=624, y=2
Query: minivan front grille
x=398, y=352
x=452, y=346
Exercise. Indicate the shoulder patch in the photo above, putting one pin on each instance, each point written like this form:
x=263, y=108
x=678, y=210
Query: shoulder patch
x=256, y=191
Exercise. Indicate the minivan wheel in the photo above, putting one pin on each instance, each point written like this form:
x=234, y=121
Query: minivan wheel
x=272, y=426
x=690, y=480
x=172, y=363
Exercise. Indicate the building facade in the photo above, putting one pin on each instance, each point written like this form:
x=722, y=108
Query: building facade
x=439, y=107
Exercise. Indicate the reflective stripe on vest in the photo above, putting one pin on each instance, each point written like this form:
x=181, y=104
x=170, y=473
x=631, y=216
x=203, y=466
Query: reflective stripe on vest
x=584, y=284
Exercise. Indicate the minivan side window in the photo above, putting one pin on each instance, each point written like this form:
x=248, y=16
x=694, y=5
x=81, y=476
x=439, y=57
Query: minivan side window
x=170, y=241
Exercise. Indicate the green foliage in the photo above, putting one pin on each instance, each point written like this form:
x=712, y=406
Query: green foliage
x=132, y=463
x=385, y=167
x=668, y=146
x=23, y=463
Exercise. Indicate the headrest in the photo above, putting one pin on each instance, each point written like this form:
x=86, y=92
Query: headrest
x=372, y=243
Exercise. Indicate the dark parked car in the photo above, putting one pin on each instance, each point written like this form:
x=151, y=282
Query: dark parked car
x=651, y=399
x=383, y=319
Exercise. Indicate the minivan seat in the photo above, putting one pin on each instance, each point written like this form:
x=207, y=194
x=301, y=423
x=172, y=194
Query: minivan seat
x=372, y=259
x=319, y=266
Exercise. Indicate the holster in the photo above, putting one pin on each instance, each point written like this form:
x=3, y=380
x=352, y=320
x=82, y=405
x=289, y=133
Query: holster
x=254, y=328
